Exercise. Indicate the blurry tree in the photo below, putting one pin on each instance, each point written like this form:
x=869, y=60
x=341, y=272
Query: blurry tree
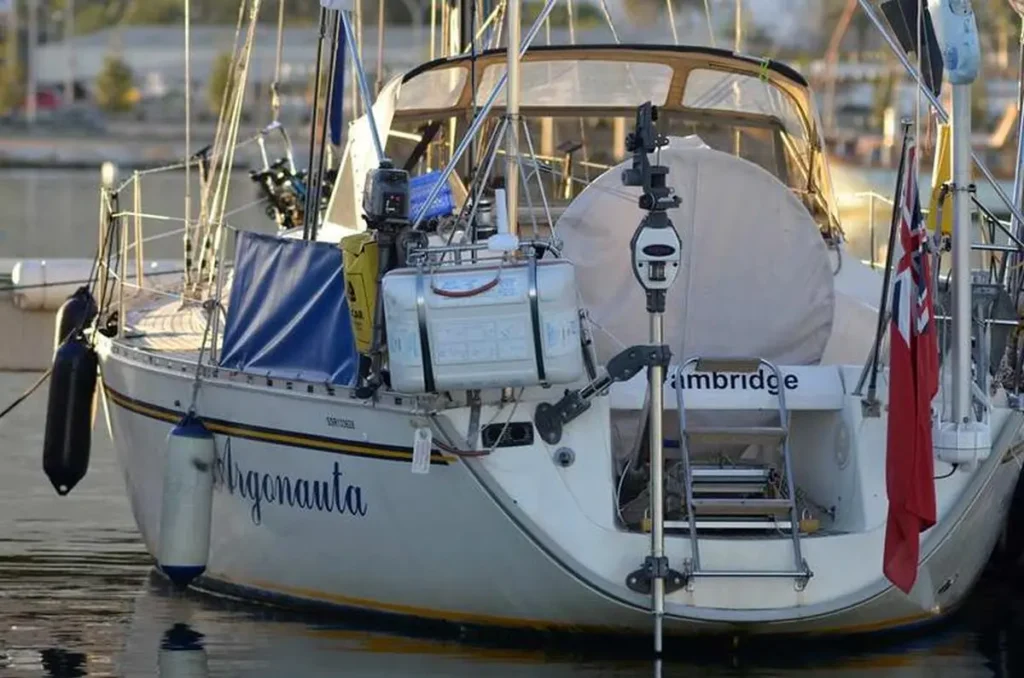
x=12, y=86
x=114, y=85
x=999, y=26
x=646, y=12
x=220, y=80
x=980, y=117
x=584, y=16
x=860, y=27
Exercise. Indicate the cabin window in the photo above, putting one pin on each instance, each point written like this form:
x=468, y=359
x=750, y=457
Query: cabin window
x=582, y=84
x=433, y=90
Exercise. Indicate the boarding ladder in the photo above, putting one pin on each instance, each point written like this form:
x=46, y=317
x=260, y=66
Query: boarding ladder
x=737, y=497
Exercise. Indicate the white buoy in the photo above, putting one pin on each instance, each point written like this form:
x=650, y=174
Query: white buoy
x=187, y=502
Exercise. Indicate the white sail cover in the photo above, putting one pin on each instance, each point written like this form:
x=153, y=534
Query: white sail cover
x=756, y=278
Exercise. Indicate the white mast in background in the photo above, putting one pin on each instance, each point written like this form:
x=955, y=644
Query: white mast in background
x=69, y=51
x=33, y=43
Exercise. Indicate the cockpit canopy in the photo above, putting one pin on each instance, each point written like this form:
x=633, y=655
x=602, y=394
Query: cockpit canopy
x=580, y=101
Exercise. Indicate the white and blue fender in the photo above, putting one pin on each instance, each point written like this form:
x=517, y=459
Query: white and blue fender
x=187, y=501
x=956, y=29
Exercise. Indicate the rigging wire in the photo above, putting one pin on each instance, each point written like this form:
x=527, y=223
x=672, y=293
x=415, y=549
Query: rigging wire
x=608, y=20
x=672, y=22
x=379, y=85
x=359, y=106
x=205, y=172
x=582, y=122
x=499, y=29
x=711, y=24
x=25, y=396
x=917, y=95
x=474, y=14
x=433, y=29
x=275, y=87
x=572, y=22
x=483, y=30
x=187, y=237
x=238, y=93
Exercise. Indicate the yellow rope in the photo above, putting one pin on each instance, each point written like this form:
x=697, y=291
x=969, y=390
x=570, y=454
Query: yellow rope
x=239, y=95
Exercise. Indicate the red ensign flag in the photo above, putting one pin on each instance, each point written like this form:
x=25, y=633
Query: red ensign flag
x=913, y=382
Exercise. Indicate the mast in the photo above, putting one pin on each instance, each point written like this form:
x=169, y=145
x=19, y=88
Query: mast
x=957, y=31
x=467, y=43
x=1018, y=178
x=467, y=25
x=961, y=152
x=512, y=129
x=31, y=92
x=69, y=35
x=738, y=47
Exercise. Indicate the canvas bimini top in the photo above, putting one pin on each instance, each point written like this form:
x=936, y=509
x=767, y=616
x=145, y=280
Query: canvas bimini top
x=591, y=78
x=759, y=109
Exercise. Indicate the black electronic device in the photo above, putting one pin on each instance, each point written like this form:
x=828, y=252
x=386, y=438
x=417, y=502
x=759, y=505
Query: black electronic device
x=656, y=248
x=386, y=196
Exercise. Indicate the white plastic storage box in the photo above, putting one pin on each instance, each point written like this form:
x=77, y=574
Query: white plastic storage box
x=482, y=326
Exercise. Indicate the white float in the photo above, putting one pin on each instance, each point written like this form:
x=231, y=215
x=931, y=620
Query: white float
x=187, y=502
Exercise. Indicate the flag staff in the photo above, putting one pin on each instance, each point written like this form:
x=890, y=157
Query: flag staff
x=871, y=405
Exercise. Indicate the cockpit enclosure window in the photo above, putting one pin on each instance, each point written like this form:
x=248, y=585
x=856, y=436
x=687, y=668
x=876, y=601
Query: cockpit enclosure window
x=584, y=84
x=433, y=90
x=707, y=89
x=793, y=160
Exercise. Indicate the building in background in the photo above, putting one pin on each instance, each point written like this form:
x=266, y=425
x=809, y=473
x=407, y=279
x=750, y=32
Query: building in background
x=156, y=56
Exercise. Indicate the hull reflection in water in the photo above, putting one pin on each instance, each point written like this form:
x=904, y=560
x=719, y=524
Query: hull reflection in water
x=199, y=637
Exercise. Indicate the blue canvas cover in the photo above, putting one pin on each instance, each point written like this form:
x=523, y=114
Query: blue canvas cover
x=288, y=316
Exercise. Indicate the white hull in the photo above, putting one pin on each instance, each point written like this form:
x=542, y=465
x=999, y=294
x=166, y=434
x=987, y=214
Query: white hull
x=509, y=539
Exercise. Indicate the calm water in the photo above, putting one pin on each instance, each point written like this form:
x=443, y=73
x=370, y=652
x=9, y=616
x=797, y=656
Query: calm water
x=77, y=597
x=55, y=212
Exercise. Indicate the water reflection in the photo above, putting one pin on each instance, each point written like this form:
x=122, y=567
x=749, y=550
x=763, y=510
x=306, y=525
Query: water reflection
x=63, y=663
x=182, y=654
x=189, y=635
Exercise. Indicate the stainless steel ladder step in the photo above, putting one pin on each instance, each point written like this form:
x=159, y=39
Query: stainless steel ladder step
x=742, y=507
x=730, y=481
x=744, y=435
x=729, y=489
x=724, y=524
x=730, y=474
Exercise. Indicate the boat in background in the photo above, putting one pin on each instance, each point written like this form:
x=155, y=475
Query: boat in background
x=443, y=401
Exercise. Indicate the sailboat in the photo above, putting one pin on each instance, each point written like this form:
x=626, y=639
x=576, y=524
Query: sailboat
x=641, y=379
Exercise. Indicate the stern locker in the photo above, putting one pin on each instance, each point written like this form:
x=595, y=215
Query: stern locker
x=483, y=326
